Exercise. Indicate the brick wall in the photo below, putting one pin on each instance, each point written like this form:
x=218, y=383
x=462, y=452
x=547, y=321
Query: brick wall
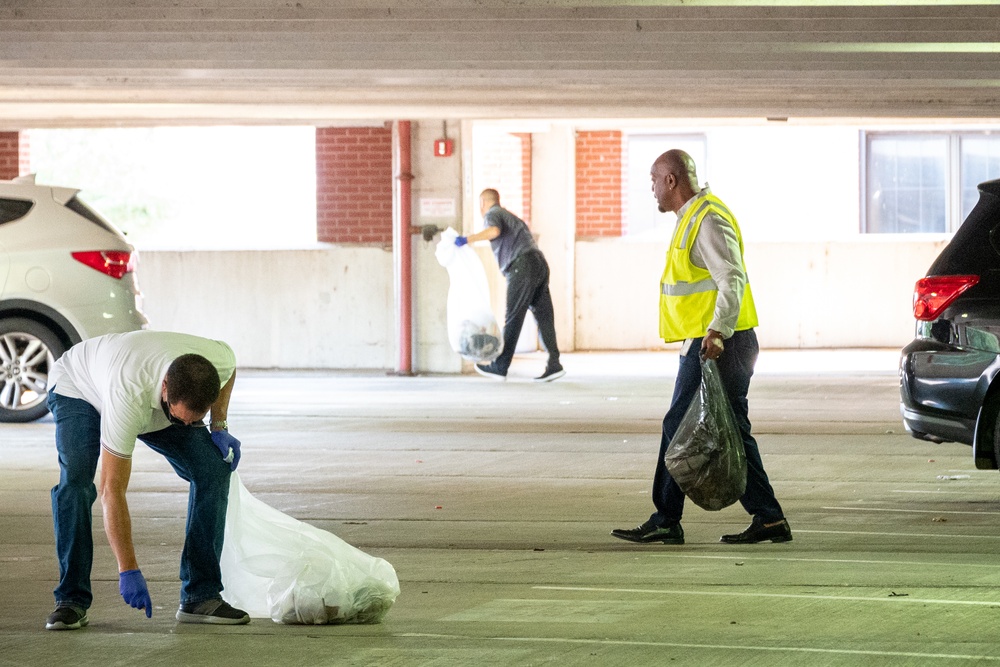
x=525, y=176
x=599, y=184
x=13, y=155
x=354, y=185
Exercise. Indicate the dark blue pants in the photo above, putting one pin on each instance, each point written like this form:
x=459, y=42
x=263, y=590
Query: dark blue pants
x=195, y=459
x=528, y=288
x=735, y=368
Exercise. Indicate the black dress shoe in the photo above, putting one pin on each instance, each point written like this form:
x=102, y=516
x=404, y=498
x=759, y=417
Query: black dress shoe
x=649, y=532
x=758, y=531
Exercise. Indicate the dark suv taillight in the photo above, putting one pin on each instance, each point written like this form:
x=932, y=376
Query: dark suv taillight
x=935, y=293
x=114, y=263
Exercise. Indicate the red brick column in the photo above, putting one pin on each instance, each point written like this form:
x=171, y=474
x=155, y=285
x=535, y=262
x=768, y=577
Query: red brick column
x=354, y=185
x=13, y=155
x=525, y=138
x=599, y=184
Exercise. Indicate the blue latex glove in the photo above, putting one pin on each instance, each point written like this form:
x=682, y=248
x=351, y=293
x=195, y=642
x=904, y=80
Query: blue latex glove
x=461, y=241
x=132, y=586
x=228, y=446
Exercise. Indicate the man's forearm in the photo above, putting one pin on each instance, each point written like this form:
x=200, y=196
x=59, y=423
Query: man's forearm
x=488, y=234
x=220, y=409
x=115, y=473
x=118, y=527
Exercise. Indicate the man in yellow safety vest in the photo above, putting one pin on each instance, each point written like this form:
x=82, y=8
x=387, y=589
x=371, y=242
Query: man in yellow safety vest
x=706, y=302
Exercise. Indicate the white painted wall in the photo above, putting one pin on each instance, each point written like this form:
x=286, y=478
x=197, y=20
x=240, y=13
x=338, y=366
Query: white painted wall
x=822, y=294
x=320, y=308
x=795, y=190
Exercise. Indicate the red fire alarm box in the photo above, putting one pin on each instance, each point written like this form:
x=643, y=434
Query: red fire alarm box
x=443, y=147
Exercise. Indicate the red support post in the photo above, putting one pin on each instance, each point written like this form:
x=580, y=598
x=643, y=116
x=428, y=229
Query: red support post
x=403, y=242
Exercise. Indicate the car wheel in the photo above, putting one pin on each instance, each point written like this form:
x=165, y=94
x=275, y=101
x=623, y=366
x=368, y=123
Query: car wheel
x=27, y=352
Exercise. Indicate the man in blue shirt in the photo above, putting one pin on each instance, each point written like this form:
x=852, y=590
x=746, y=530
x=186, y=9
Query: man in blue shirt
x=527, y=273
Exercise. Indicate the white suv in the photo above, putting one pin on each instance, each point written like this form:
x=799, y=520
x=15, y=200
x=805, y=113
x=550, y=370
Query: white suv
x=66, y=274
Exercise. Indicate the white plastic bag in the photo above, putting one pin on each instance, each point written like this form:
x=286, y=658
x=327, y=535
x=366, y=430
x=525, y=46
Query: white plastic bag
x=472, y=330
x=279, y=567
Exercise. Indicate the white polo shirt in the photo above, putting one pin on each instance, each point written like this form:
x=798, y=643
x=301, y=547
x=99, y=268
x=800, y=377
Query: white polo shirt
x=121, y=375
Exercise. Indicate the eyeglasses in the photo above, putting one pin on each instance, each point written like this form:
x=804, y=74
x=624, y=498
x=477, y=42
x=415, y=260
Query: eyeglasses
x=177, y=421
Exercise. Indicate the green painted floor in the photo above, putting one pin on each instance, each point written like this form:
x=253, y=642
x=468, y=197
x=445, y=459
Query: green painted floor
x=494, y=503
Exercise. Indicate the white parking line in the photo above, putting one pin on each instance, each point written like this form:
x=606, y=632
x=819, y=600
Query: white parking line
x=888, y=509
x=723, y=647
x=881, y=534
x=940, y=493
x=788, y=596
x=782, y=559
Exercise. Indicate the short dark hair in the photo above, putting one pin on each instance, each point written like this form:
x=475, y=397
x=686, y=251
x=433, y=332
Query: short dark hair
x=192, y=380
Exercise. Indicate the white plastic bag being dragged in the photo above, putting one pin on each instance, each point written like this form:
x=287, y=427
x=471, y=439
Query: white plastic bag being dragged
x=472, y=329
x=279, y=567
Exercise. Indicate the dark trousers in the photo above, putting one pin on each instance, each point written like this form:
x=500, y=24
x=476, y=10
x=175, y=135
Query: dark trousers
x=528, y=289
x=735, y=368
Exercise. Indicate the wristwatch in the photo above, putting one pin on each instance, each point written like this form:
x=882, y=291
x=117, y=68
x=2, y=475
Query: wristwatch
x=221, y=425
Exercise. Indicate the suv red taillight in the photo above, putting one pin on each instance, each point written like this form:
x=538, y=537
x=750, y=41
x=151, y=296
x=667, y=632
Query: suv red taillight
x=935, y=293
x=114, y=263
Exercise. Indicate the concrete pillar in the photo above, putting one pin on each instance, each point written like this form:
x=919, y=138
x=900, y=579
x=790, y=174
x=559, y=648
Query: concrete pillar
x=438, y=201
x=553, y=216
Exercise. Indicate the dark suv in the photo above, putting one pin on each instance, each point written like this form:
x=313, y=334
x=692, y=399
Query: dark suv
x=949, y=389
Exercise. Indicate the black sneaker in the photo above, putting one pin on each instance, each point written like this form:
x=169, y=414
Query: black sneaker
x=490, y=371
x=551, y=374
x=67, y=617
x=649, y=532
x=216, y=611
x=758, y=531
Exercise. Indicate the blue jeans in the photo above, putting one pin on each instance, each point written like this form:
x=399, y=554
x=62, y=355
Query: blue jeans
x=193, y=456
x=735, y=368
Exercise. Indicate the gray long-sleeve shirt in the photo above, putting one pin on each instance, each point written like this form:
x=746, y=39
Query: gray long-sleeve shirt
x=717, y=249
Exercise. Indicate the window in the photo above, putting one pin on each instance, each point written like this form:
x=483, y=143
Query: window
x=180, y=188
x=84, y=211
x=13, y=209
x=980, y=161
x=641, y=216
x=926, y=182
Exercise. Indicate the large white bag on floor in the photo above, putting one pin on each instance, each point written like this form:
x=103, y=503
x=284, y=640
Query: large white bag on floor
x=279, y=567
x=472, y=329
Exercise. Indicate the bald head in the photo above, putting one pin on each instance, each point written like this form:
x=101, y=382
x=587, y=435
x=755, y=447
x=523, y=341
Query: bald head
x=681, y=165
x=675, y=179
x=487, y=199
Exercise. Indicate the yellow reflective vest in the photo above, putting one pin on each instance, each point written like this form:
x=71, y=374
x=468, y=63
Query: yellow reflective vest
x=687, y=292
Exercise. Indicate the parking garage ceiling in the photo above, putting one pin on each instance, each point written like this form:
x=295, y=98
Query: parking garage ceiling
x=97, y=62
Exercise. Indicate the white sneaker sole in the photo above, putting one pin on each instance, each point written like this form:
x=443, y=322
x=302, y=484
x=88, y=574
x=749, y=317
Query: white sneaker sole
x=185, y=617
x=550, y=378
x=71, y=626
x=492, y=376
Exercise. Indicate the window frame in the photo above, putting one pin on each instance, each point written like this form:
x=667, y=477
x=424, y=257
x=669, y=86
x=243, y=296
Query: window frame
x=954, y=216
